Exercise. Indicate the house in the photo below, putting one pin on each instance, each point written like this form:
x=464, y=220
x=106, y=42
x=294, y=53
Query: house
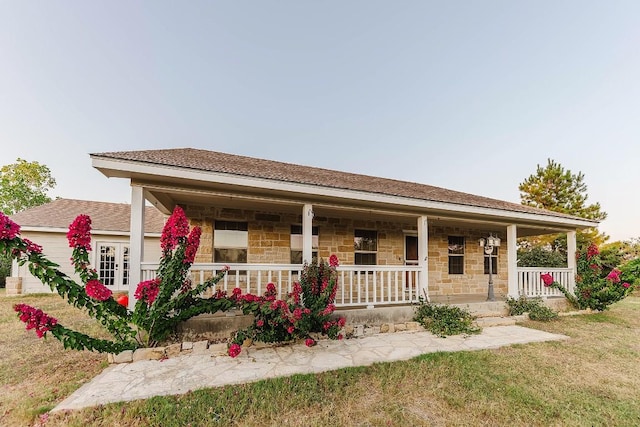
x=396, y=240
x=47, y=225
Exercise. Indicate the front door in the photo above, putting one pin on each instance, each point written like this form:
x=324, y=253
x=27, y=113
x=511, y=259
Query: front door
x=410, y=258
x=113, y=265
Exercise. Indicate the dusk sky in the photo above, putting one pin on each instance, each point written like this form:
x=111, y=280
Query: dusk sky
x=465, y=95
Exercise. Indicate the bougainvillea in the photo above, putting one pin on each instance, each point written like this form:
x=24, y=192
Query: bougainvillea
x=79, y=234
x=35, y=319
x=8, y=229
x=96, y=290
x=591, y=289
x=147, y=291
x=176, y=227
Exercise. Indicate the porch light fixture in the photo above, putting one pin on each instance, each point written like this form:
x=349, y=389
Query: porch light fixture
x=488, y=243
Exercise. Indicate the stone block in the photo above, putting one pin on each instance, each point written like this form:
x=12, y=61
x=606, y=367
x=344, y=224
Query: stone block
x=384, y=328
x=123, y=357
x=358, y=330
x=173, y=350
x=200, y=346
x=155, y=353
x=372, y=330
x=110, y=358
x=13, y=286
x=187, y=345
x=413, y=326
x=400, y=327
x=218, y=349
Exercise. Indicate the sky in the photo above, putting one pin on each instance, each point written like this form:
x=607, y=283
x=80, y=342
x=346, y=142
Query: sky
x=465, y=95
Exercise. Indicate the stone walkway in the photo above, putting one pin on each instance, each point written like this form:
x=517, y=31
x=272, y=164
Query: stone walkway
x=144, y=379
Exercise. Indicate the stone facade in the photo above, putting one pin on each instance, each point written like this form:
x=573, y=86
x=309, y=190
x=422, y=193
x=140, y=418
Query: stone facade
x=269, y=241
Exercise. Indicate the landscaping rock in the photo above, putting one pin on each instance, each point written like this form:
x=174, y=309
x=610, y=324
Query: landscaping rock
x=358, y=330
x=155, y=353
x=187, y=345
x=200, y=347
x=218, y=349
x=124, y=357
x=384, y=328
x=413, y=326
x=400, y=327
x=372, y=330
x=173, y=350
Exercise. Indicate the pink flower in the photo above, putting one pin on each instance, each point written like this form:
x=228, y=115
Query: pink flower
x=79, y=235
x=342, y=321
x=32, y=247
x=333, y=261
x=271, y=289
x=295, y=292
x=614, y=276
x=260, y=323
x=8, y=229
x=148, y=290
x=297, y=313
x=592, y=251
x=234, y=350
x=193, y=242
x=625, y=285
x=547, y=279
x=291, y=329
x=35, y=319
x=309, y=342
x=97, y=290
x=340, y=336
x=176, y=228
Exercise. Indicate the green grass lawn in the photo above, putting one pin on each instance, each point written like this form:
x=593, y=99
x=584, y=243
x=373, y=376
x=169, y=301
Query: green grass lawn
x=591, y=379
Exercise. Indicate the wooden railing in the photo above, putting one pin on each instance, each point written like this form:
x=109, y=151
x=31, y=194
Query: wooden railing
x=358, y=286
x=530, y=282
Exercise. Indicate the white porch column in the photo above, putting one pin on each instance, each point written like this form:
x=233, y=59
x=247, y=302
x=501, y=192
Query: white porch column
x=136, y=241
x=512, y=261
x=423, y=256
x=307, y=233
x=571, y=256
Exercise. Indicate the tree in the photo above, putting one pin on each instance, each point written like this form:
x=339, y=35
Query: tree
x=556, y=189
x=24, y=185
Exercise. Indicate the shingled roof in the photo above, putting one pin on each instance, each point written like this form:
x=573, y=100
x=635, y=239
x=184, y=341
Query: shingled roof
x=213, y=161
x=113, y=217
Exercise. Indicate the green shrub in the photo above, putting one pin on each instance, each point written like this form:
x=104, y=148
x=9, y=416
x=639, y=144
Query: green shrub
x=444, y=320
x=534, y=306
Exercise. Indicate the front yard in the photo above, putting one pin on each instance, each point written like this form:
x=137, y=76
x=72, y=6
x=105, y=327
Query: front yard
x=591, y=379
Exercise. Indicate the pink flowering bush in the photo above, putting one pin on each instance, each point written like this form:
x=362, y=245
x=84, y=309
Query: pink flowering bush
x=592, y=290
x=308, y=308
x=161, y=304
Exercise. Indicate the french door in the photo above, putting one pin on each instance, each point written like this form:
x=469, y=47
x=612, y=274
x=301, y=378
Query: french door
x=113, y=265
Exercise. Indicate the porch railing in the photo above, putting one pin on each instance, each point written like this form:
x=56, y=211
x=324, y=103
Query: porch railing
x=530, y=282
x=358, y=285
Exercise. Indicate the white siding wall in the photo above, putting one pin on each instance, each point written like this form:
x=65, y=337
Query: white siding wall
x=56, y=248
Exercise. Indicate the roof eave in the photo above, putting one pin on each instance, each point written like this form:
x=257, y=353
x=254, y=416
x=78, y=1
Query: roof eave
x=119, y=168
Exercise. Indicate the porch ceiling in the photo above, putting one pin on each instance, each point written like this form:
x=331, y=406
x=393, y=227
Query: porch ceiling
x=165, y=198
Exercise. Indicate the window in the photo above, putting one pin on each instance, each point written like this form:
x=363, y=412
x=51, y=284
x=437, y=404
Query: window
x=365, y=247
x=296, y=243
x=230, y=242
x=494, y=261
x=456, y=255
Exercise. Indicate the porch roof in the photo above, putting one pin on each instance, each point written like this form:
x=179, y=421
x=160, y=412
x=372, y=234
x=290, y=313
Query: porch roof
x=196, y=165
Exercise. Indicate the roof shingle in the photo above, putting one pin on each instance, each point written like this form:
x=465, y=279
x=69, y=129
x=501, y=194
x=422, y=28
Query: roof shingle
x=105, y=216
x=213, y=161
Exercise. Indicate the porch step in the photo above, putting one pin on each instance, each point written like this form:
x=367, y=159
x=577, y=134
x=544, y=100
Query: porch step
x=487, y=322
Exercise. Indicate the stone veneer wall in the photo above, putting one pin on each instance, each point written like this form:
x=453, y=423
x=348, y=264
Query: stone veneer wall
x=473, y=281
x=270, y=236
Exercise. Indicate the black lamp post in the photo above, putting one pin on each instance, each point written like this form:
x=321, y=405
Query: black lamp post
x=488, y=243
